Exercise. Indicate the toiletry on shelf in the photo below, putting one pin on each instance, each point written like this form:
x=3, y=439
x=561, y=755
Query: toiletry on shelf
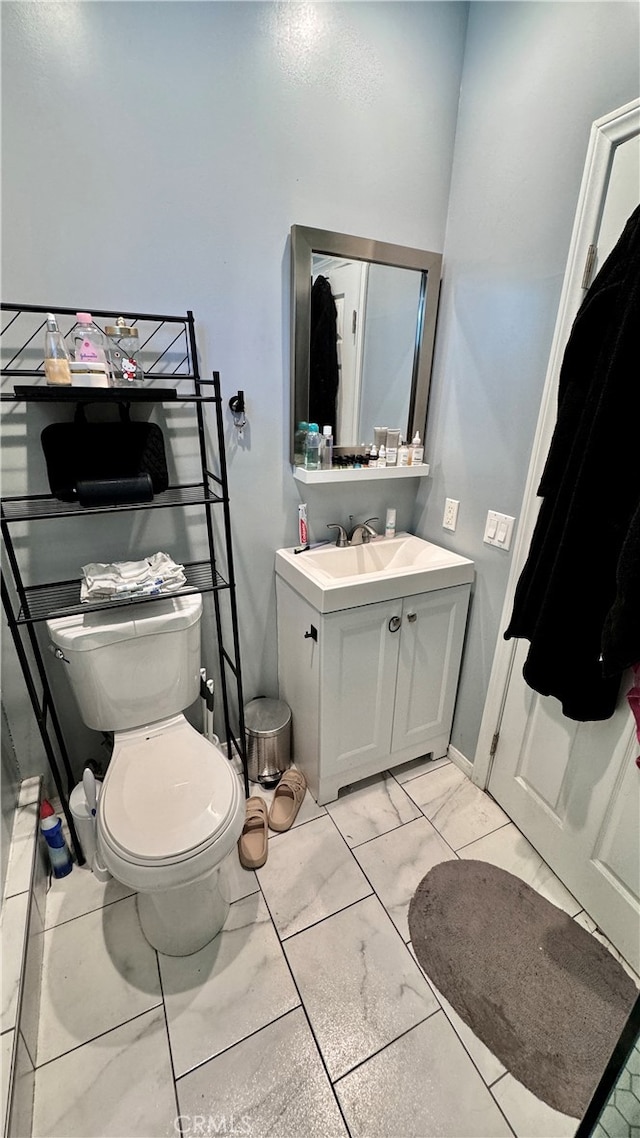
x=299, y=443
x=123, y=343
x=403, y=455
x=392, y=444
x=373, y=457
x=90, y=343
x=390, y=523
x=416, y=451
x=56, y=356
x=57, y=848
x=312, y=448
x=382, y=457
x=379, y=437
x=326, y=454
x=85, y=374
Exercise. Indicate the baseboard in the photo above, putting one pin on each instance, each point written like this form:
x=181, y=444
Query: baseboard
x=460, y=760
x=22, y=928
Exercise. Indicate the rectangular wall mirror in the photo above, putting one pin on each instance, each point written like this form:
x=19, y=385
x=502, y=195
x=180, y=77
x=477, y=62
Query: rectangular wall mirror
x=362, y=330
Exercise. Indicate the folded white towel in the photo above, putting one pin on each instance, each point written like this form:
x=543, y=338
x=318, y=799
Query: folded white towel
x=124, y=579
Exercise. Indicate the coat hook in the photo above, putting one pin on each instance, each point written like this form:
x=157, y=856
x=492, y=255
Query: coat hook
x=236, y=406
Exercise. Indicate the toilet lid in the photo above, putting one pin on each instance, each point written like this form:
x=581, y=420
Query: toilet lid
x=168, y=792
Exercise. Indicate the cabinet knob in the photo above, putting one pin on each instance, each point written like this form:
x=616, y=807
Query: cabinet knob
x=394, y=623
x=412, y=616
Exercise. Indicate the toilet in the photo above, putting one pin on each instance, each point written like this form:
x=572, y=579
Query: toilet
x=171, y=808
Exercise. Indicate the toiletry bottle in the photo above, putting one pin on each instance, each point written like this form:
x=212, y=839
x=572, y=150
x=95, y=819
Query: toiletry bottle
x=382, y=457
x=312, y=447
x=390, y=523
x=57, y=848
x=327, y=449
x=56, y=356
x=403, y=454
x=90, y=343
x=393, y=442
x=373, y=457
x=299, y=439
x=416, y=452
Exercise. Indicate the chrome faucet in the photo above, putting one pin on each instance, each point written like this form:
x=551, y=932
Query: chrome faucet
x=342, y=538
x=362, y=532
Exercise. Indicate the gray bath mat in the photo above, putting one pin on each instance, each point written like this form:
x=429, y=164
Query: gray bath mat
x=544, y=995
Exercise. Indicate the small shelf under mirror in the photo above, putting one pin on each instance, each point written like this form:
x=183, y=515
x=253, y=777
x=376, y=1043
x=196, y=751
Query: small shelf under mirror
x=315, y=477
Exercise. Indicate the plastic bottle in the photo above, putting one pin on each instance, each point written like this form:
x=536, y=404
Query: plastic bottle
x=416, y=451
x=299, y=440
x=326, y=455
x=90, y=343
x=373, y=457
x=312, y=448
x=57, y=848
x=403, y=454
x=56, y=356
x=382, y=457
x=390, y=523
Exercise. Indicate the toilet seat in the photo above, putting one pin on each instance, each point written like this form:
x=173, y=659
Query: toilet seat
x=170, y=807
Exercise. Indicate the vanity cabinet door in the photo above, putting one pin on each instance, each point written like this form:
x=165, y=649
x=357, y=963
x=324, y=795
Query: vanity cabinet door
x=299, y=676
x=359, y=663
x=430, y=650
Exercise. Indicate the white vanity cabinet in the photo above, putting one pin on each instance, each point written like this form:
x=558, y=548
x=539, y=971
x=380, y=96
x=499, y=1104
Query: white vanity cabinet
x=369, y=687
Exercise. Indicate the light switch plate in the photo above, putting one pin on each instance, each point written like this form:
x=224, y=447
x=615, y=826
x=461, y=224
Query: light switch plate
x=498, y=529
x=450, y=518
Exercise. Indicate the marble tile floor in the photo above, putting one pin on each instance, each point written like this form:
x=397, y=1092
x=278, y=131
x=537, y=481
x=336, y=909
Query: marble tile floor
x=309, y=1014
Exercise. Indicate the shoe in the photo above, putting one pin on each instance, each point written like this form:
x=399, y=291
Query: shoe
x=287, y=800
x=253, y=843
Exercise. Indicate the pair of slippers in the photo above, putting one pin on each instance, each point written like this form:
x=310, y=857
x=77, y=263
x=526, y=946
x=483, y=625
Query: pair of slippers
x=253, y=843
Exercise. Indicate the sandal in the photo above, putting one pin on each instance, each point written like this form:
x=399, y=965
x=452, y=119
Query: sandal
x=287, y=800
x=253, y=842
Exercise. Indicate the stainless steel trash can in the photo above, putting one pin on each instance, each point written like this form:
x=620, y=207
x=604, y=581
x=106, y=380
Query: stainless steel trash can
x=268, y=733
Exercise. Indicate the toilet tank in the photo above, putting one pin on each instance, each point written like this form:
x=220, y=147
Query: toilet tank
x=134, y=665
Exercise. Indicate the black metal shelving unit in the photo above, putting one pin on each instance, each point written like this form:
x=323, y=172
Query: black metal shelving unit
x=169, y=356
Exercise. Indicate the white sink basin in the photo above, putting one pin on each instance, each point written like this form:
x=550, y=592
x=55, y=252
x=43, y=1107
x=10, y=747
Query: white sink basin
x=386, y=568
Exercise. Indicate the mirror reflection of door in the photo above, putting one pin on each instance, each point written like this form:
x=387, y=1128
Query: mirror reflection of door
x=348, y=281
x=377, y=319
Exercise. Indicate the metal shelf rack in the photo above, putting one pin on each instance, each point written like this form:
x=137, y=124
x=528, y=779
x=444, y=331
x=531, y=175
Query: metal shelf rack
x=169, y=357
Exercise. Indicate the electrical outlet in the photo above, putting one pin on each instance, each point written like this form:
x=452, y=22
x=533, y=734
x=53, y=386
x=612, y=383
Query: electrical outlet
x=450, y=519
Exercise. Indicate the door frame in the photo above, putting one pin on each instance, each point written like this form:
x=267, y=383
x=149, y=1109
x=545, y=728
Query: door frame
x=607, y=133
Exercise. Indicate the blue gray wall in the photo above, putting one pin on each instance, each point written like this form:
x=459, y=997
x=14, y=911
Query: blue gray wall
x=536, y=75
x=155, y=156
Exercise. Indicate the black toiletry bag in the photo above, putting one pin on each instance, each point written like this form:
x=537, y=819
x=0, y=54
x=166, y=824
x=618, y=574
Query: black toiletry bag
x=87, y=452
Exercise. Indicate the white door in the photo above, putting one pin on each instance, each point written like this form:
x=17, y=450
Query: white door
x=348, y=280
x=574, y=788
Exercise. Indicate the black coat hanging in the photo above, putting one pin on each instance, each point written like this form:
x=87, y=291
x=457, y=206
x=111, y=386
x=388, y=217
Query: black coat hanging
x=323, y=355
x=578, y=597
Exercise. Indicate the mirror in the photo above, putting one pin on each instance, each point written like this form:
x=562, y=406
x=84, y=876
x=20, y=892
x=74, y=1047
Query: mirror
x=362, y=330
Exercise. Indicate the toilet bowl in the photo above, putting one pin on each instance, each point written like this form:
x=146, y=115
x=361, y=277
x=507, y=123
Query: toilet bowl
x=171, y=808
x=170, y=813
